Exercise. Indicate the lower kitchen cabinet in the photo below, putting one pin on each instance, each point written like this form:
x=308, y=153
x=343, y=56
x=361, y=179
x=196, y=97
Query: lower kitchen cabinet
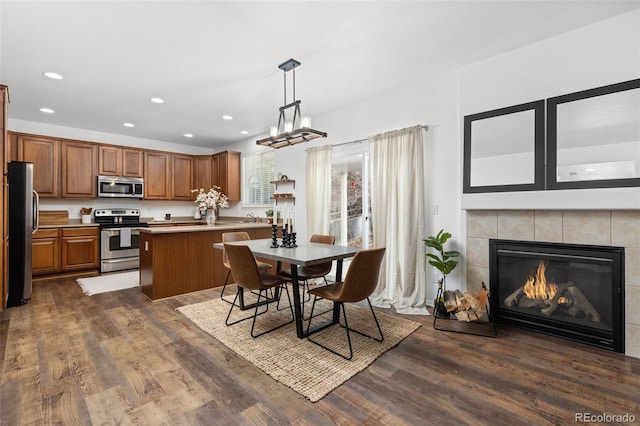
x=80, y=248
x=45, y=254
x=58, y=250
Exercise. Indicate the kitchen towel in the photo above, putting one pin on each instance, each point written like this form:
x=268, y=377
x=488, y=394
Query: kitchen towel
x=125, y=237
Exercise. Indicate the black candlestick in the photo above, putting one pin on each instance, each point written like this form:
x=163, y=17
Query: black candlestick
x=274, y=236
x=293, y=240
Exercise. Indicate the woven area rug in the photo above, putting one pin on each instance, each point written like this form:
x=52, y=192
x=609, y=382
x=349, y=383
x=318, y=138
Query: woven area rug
x=109, y=282
x=301, y=365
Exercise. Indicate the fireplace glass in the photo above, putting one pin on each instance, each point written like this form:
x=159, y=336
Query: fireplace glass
x=567, y=290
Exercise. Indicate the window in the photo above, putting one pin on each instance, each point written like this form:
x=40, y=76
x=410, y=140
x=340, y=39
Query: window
x=258, y=172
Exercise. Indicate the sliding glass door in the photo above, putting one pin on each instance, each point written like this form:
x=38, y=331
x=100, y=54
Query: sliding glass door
x=350, y=214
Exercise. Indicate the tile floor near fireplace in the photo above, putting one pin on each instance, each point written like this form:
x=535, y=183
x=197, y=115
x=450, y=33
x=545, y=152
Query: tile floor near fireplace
x=572, y=291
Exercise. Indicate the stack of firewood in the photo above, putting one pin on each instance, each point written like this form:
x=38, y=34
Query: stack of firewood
x=466, y=306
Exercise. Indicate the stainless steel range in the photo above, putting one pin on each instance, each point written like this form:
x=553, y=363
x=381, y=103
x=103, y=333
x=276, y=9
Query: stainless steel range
x=119, y=238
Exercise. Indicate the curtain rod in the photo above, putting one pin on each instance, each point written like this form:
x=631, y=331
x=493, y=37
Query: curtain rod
x=424, y=126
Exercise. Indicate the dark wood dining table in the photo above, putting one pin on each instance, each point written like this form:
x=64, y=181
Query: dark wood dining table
x=305, y=254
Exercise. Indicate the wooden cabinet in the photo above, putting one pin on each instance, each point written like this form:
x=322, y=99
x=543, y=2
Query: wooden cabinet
x=109, y=160
x=167, y=176
x=79, y=160
x=119, y=161
x=132, y=162
x=202, y=173
x=45, y=253
x=80, y=248
x=157, y=175
x=225, y=173
x=181, y=177
x=44, y=153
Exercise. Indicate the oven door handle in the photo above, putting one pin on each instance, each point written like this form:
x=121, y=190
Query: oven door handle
x=122, y=259
x=120, y=229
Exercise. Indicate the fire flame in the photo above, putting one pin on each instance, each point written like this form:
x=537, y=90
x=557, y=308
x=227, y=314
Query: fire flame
x=537, y=287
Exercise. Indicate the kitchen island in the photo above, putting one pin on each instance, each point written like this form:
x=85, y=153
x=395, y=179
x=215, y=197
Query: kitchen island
x=176, y=260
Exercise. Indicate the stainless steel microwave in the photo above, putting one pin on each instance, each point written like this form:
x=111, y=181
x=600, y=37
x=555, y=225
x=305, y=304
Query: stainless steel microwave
x=120, y=187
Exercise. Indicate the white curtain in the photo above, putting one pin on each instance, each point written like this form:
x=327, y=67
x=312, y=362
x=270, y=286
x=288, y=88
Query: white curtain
x=397, y=203
x=318, y=189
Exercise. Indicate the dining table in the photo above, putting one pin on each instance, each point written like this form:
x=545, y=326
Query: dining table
x=304, y=254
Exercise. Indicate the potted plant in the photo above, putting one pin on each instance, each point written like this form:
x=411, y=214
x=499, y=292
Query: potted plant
x=443, y=261
x=269, y=214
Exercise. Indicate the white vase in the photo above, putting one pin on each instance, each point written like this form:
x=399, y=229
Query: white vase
x=211, y=217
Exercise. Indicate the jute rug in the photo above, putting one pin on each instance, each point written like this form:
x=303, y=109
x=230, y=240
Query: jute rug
x=299, y=364
x=109, y=282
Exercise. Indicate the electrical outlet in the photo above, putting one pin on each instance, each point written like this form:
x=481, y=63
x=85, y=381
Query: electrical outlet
x=434, y=209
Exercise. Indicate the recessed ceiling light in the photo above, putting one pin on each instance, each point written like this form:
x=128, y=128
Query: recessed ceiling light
x=53, y=75
x=157, y=100
x=227, y=117
x=129, y=125
x=188, y=135
x=244, y=132
x=47, y=110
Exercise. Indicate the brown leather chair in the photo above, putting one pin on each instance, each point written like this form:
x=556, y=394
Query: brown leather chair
x=228, y=237
x=246, y=274
x=306, y=273
x=360, y=282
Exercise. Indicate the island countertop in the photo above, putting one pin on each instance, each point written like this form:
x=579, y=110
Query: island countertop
x=219, y=226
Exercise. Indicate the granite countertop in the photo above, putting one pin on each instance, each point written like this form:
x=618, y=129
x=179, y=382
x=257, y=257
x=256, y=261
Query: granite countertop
x=219, y=226
x=73, y=223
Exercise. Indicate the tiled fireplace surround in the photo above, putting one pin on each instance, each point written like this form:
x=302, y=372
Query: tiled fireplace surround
x=598, y=227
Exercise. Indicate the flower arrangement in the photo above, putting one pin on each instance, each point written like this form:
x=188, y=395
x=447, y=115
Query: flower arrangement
x=211, y=199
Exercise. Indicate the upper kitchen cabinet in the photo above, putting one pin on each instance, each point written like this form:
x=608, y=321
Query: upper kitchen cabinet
x=157, y=175
x=132, y=162
x=202, y=173
x=181, y=177
x=119, y=161
x=44, y=153
x=225, y=172
x=79, y=160
x=109, y=160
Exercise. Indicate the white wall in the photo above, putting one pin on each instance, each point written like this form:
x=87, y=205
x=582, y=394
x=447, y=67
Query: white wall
x=603, y=53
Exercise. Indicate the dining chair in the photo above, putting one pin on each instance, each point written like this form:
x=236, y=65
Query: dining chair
x=247, y=275
x=228, y=237
x=358, y=284
x=306, y=273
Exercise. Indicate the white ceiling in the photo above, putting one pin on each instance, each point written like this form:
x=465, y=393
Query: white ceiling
x=210, y=58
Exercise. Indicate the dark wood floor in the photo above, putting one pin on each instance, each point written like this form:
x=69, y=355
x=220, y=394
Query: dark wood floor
x=117, y=358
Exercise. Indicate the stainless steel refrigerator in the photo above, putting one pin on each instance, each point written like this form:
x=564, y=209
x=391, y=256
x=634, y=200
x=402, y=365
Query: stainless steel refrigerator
x=23, y=222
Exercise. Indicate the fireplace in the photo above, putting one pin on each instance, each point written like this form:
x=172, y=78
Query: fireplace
x=566, y=290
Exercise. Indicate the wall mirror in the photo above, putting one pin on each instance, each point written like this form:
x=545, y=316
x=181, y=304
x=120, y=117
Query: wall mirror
x=504, y=149
x=593, y=138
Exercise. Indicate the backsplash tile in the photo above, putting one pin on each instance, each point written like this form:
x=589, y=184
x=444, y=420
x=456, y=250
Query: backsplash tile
x=587, y=227
x=632, y=266
x=515, y=225
x=625, y=228
x=478, y=252
x=482, y=224
x=548, y=226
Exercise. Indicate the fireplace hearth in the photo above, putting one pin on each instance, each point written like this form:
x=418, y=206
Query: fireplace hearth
x=566, y=290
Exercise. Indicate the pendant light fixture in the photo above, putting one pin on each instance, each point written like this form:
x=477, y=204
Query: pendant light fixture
x=290, y=130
